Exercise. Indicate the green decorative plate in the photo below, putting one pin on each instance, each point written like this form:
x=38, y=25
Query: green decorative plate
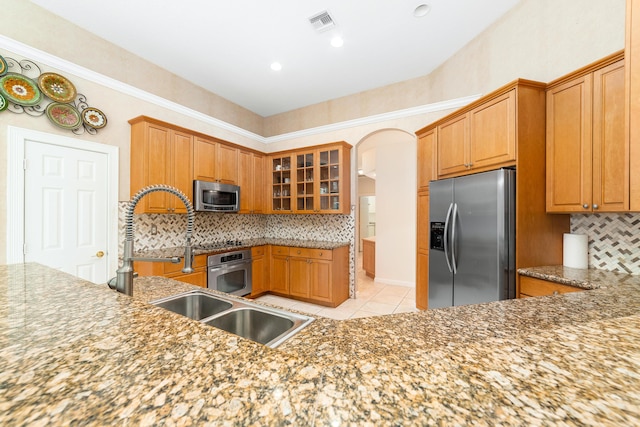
x=64, y=115
x=3, y=103
x=57, y=87
x=20, y=90
x=3, y=66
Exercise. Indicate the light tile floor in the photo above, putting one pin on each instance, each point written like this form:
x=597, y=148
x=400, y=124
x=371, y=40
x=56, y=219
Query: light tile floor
x=372, y=299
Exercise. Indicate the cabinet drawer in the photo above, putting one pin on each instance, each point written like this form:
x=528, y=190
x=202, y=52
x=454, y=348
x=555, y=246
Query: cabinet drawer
x=198, y=278
x=530, y=286
x=258, y=251
x=280, y=250
x=198, y=262
x=311, y=253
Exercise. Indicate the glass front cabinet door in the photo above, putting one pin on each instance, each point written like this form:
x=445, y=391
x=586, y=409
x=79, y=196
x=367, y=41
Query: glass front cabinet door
x=315, y=180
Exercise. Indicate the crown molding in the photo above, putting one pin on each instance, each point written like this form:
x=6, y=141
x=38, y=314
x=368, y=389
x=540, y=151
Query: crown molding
x=95, y=77
x=392, y=115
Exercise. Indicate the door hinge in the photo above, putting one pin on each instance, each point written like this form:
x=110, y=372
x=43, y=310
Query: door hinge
x=24, y=249
x=24, y=164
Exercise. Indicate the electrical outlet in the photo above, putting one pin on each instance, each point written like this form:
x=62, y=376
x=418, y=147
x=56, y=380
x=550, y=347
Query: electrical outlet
x=154, y=230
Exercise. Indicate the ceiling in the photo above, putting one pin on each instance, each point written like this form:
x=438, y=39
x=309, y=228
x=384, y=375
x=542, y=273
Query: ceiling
x=227, y=47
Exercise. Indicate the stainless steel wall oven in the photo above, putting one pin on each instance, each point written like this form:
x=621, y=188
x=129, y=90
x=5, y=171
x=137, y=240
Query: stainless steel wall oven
x=230, y=272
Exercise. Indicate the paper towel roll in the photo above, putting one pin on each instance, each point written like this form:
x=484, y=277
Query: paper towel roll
x=575, y=250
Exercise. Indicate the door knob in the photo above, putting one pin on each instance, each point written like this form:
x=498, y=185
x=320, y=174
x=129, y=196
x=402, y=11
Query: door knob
x=99, y=254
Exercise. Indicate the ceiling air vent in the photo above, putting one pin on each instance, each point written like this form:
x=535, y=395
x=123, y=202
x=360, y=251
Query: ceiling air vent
x=322, y=21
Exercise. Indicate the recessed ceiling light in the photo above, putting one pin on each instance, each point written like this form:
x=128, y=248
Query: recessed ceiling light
x=421, y=10
x=337, y=41
x=276, y=66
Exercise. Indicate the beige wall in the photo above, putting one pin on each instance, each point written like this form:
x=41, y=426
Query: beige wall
x=37, y=27
x=538, y=40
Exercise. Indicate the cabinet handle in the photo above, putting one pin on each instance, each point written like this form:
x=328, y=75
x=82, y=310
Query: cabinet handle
x=585, y=206
x=595, y=206
x=556, y=293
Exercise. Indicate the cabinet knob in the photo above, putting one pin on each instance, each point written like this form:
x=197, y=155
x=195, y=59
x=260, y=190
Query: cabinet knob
x=299, y=252
x=320, y=253
x=585, y=206
x=556, y=293
x=595, y=206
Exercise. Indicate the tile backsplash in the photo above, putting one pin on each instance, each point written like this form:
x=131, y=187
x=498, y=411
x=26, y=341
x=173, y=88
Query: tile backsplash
x=215, y=227
x=614, y=240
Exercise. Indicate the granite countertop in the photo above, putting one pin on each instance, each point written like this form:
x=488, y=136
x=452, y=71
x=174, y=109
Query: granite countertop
x=200, y=247
x=577, y=277
x=72, y=352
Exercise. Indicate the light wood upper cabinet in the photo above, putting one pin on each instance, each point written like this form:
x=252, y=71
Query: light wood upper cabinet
x=311, y=181
x=426, y=148
x=453, y=145
x=251, y=182
x=160, y=155
x=493, y=132
x=632, y=100
x=204, y=159
x=214, y=161
x=587, y=154
x=480, y=139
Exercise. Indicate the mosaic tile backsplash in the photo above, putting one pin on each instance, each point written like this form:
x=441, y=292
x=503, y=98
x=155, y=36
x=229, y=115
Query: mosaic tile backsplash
x=614, y=240
x=215, y=227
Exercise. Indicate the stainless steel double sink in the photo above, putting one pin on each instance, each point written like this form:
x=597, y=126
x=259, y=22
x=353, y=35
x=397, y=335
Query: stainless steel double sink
x=265, y=325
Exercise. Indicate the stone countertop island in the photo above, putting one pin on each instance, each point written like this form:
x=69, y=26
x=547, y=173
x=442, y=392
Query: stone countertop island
x=72, y=352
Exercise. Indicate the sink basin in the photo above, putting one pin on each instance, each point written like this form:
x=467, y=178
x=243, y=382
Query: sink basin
x=268, y=327
x=265, y=325
x=194, y=305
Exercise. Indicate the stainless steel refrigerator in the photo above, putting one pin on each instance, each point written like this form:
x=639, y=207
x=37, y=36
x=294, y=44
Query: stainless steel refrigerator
x=472, y=239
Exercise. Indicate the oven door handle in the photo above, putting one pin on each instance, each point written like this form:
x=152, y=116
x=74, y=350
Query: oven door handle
x=230, y=266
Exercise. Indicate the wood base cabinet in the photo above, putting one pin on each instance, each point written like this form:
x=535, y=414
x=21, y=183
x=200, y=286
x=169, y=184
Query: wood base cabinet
x=587, y=153
x=319, y=276
x=259, y=270
x=369, y=257
x=422, y=260
x=174, y=271
x=532, y=287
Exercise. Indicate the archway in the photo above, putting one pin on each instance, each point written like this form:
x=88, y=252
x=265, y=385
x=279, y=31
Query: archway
x=387, y=160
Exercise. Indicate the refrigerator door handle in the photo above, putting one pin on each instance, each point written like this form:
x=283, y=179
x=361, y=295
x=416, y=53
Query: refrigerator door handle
x=454, y=262
x=446, y=237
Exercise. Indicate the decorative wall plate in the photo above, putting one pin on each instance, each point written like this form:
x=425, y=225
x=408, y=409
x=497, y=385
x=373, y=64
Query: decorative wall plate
x=94, y=118
x=57, y=87
x=64, y=115
x=20, y=90
x=3, y=66
x=3, y=103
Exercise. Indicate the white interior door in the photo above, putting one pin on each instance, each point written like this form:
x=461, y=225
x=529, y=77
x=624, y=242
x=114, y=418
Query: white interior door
x=65, y=209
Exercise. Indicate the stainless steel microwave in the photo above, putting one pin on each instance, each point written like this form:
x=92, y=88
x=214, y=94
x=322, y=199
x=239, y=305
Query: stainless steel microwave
x=215, y=197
